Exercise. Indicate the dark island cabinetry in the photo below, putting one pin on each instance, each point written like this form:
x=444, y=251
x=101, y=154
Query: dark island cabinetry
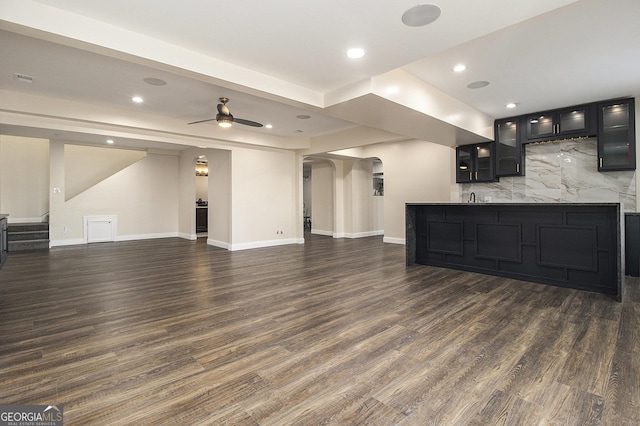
x=567, y=245
x=4, y=244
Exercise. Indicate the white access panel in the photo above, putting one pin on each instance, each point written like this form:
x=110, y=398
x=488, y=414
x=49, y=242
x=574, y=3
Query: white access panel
x=99, y=229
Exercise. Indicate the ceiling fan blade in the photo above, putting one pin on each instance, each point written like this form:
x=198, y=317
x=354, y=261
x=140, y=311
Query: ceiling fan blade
x=247, y=122
x=202, y=121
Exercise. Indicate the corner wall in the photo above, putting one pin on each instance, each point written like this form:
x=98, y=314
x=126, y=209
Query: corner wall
x=414, y=172
x=24, y=178
x=144, y=197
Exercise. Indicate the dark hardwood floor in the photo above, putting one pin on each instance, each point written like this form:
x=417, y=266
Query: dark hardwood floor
x=333, y=332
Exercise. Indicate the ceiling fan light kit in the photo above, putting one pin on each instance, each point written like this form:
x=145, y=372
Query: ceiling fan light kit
x=225, y=119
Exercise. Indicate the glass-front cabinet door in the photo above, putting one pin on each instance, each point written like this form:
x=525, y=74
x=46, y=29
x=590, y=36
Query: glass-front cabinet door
x=540, y=126
x=616, y=135
x=464, y=166
x=484, y=163
x=508, y=147
x=475, y=163
x=576, y=121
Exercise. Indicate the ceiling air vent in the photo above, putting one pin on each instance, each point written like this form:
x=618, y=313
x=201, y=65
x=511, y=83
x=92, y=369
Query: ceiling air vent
x=23, y=78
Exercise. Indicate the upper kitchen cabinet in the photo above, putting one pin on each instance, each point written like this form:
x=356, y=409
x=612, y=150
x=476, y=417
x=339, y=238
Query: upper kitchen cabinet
x=616, y=135
x=475, y=163
x=569, y=122
x=509, y=152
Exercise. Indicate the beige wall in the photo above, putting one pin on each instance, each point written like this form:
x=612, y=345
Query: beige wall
x=265, y=198
x=414, y=171
x=144, y=197
x=360, y=206
x=322, y=199
x=255, y=195
x=24, y=178
x=85, y=166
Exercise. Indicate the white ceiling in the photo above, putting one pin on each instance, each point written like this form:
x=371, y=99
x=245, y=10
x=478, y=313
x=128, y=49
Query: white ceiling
x=279, y=59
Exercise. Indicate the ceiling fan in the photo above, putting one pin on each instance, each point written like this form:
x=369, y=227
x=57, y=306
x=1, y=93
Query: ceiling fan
x=225, y=119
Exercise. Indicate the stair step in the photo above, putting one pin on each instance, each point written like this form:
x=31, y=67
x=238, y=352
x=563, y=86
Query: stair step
x=27, y=235
x=24, y=245
x=24, y=227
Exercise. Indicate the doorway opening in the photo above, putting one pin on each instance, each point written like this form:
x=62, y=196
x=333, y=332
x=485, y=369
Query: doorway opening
x=202, y=196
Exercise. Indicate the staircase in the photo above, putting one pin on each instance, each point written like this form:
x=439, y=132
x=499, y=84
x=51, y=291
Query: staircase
x=28, y=236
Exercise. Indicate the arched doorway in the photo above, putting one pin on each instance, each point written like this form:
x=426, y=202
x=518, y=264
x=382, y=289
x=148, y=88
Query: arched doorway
x=202, y=196
x=318, y=196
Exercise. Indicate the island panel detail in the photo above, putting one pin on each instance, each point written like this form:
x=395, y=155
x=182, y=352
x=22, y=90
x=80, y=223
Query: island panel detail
x=568, y=245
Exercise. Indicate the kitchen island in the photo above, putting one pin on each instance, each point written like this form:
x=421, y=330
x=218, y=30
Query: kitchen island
x=564, y=244
x=4, y=247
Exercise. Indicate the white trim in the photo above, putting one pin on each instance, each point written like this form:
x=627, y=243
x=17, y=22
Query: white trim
x=364, y=234
x=216, y=243
x=146, y=236
x=60, y=243
x=191, y=237
x=394, y=240
x=321, y=232
x=11, y=220
x=262, y=244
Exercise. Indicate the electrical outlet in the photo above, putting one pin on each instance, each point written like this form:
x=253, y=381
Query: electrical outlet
x=64, y=229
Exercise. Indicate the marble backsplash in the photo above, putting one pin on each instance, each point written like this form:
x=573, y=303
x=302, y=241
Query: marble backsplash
x=564, y=171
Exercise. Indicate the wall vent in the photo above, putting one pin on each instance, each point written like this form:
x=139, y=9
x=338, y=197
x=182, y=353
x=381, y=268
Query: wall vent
x=98, y=229
x=23, y=78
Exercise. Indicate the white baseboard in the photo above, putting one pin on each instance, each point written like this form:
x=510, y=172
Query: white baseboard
x=347, y=235
x=191, y=237
x=394, y=240
x=145, y=236
x=216, y=243
x=364, y=234
x=60, y=243
x=262, y=244
x=73, y=242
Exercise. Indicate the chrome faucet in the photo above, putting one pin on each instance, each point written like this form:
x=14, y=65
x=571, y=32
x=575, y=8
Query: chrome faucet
x=472, y=197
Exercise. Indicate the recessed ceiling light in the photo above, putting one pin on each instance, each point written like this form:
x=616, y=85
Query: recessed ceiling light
x=268, y=126
x=110, y=141
x=478, y=84
x=303, y=116
x=459, y=68
x=154, y=81
x=421, y=15
x=355, y=53
x=137, y=99
x=511, y=105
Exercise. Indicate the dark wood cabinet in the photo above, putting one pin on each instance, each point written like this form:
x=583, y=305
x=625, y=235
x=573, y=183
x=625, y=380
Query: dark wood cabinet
x=567, y=245
x=4, y=244
x=577, y=121
x=509, y=151
x=202, y=219
x=475, y=163
x=616, y=135
x=632, y=244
